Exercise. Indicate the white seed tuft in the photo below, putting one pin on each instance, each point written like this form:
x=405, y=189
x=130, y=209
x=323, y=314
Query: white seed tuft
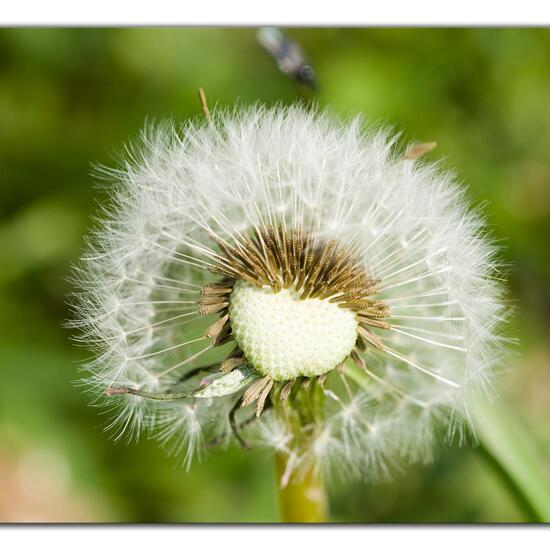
x=186, y=192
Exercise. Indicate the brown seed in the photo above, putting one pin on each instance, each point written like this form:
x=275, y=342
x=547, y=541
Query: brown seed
x=373, y=322
x=262, y=397
x=215, y=289
x=254, y=390
x=358, y=360
x=370, y=337
x=215, y=329
x=287, y=388
x=232, y=362
x=213, y=308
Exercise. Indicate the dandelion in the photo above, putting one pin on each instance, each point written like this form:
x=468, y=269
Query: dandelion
x=280, y=278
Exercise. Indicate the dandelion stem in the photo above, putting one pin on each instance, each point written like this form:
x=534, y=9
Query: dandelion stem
x=301, y=495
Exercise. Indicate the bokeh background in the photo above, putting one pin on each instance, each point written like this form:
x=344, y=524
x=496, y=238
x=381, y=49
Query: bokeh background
x=72, y=97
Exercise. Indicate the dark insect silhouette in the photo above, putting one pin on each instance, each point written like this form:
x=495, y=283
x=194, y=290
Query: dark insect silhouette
x=288, y=55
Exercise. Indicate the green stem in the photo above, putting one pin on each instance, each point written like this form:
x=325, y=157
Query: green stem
x=510, y=449
x=302, y=499
x=514, y=489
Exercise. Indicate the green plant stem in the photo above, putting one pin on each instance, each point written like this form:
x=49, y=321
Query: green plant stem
x=509, y=448
x=509, y=482
x=302, y=499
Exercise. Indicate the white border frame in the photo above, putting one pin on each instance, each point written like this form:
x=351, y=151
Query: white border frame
x=275, y=12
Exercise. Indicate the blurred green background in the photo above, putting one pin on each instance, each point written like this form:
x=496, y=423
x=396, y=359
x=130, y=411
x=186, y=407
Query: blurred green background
x=72, y=97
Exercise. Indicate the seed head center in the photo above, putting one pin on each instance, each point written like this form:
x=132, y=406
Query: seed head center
x=285, y=337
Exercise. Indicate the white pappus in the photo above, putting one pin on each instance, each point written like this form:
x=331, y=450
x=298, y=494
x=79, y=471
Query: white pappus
x=282, y=278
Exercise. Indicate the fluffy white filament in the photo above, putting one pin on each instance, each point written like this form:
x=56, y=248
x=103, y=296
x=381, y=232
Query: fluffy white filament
x=146, y=263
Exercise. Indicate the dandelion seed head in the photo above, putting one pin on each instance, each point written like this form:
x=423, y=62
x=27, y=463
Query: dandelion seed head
x=290, y=278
